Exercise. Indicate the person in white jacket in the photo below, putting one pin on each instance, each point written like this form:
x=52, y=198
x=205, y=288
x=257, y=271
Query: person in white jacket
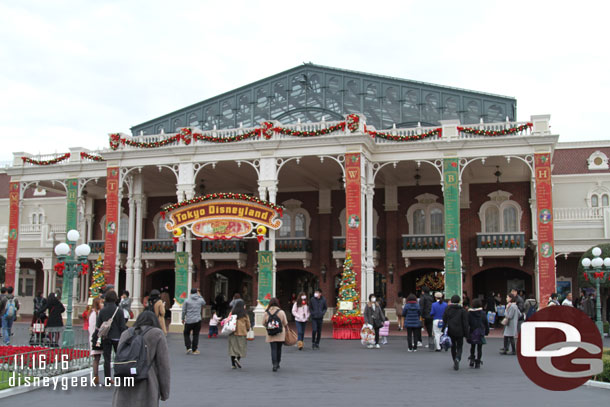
x=96, y=352
x=300, y=310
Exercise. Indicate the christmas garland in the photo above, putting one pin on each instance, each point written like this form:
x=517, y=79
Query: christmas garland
x=353, y=120
x=91, y=157
x=393, y=137
x=221, y=195
x=478, y=132
x=46, y=162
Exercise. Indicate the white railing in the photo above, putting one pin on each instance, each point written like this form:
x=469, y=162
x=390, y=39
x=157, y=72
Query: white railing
x=58, y=228
x=29, y=228
x=406, y=132
x=46, y=157
x=578, y=214
x=495, y=127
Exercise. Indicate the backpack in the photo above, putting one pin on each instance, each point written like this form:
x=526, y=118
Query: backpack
x=274, y=324
x=531, y=311
x=104, y=328
x=131, y=359
x=10, y=310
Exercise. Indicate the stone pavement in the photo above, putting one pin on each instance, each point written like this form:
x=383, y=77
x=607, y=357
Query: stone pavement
x=341, y=373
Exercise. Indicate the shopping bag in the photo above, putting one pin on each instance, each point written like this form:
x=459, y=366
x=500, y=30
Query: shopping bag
x=367, y=335
x=445, y=340
x=228, y=325
x=38, y=328
x=250, y=335
x=501, y=310
x=291, y=337
x=491, y=317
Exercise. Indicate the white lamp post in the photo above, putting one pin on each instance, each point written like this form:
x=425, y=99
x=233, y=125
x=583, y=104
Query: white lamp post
x=597, y=269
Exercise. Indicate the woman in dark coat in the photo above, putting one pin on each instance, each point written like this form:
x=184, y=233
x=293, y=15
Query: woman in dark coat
x=55, y=325
x=374, y=316
x=478, y=330
x=110, y=311
x=411, y=313
x=146, y=393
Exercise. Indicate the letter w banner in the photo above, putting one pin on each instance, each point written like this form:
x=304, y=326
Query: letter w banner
x=181, y=286
x=353, y=212
x=112, y=220
x=546, y=242
x=13, y=234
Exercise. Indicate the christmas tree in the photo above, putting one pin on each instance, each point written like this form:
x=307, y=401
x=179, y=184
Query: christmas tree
x=348, y=300
x=98, y=280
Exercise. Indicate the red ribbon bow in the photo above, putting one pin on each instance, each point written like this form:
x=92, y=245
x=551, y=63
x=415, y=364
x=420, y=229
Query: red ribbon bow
x=60, y=267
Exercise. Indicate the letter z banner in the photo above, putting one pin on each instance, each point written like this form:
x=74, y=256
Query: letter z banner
x=560, y=348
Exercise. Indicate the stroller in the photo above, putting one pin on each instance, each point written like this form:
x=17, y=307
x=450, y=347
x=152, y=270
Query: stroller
x=38, y=334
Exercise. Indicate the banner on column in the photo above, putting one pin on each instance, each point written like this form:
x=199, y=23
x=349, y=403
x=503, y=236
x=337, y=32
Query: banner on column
x=451, y=197
x=353, y=212
x=71, y=221
x=13, y=234
x=182, y=271
x=112, y=218
x=265, y=276
x=546, y=242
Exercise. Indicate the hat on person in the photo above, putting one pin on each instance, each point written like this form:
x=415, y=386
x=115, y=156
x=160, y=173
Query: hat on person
x=438, y=295
x=193, y=291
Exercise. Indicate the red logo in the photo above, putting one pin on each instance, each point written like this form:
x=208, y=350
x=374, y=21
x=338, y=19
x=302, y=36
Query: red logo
x=560, y=348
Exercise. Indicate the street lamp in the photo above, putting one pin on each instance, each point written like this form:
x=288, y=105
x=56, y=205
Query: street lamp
x=599, y=270
x=71, y=267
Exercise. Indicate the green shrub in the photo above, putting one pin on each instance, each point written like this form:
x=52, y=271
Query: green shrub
x=605, y=375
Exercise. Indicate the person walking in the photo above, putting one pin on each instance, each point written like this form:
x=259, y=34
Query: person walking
x=425, y=304
x=275, y=340
x=147, y=393
x=411, y=314
x=238, y=345
x=95, y=351
x=213, y=324
x=399, y=304
x=455, y=320
x=530, y=306
x=568, y=300
x=111, y=341
x=191, y=318
x=39, y=304
x=478, y=327
x=9, y=314
x=374, y=316
x=436, y=313
x=510, y=323
x=236, y=298
x=125, y=305
x=553, y=300
x=317, y=308
x=157, y=306
x=300, y=311
x=55, y=324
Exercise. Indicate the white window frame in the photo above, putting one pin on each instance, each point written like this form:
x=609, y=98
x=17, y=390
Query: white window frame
x=124, y=218
x=591, y=161
x=599, y=191
x=293, y=208
x=501, y=200
x=156, y=227
x=427, y=202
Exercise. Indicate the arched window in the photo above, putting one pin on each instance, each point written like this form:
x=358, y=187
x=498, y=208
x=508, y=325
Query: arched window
x=419, y=222
x=286, y=225
x=299, y=225
x=594, y=201
x=123, y=227
x=510, y=219
x=492, y=219
x=605, y=200
x=500, y=214
x=162, y=233
x=436, y=221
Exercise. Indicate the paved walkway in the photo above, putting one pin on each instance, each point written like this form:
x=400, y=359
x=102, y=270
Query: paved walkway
x=341, y=373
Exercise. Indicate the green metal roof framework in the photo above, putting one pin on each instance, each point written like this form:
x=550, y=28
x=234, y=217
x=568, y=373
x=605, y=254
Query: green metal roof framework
x=310, y=92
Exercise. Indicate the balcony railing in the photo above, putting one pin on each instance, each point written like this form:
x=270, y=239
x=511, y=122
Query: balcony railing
x=499, y=126
x=423, y=242
x=575, y=214
x=224, y=246
x=98, y=246
x=55, y=228
x=339, y=244
x=293, y=245
x=515, y=240
x=158, y=246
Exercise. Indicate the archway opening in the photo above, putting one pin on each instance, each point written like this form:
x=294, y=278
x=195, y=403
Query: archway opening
x=292, y=282
x=221, y=286
x=501, y=280
x=413, y=281
x=162, y=280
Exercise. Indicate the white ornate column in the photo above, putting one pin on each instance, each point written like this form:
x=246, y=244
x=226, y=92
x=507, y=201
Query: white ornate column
x=137, y=261
x=117, y=266
x=47, y=270
x=369, y=191
x=130, y=246
x=272, y=198
x=190, y=194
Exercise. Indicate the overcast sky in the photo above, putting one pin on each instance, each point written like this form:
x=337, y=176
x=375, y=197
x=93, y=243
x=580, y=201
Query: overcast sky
x=73, y=71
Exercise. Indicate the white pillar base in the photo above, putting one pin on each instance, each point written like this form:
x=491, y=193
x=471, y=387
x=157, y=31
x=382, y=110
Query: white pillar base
x=259, y=315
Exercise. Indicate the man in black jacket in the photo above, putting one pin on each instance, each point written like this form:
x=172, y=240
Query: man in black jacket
x=116, y=328
x=425, y=304
x=456, y=322
x=317, y=309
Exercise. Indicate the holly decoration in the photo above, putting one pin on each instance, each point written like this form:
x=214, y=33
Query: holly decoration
x=91, y=157
x=59, y=268
x=46, y=162
x=98, y=280
x=393, y=137
x=504, y=132
x=222, y=195
x=348, y=292
x=353, y=120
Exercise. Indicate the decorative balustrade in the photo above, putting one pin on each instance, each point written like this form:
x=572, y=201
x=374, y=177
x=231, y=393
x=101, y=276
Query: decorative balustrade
x=496, y=127
x=423, y=242
x=224, y=246
x=511, y=240
x=293, y=245
x=577, y=214
x=45, y=157
x=158, y=246
x=339, y=244
x=98, y=246
x=31, y=229
x=409, y=132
